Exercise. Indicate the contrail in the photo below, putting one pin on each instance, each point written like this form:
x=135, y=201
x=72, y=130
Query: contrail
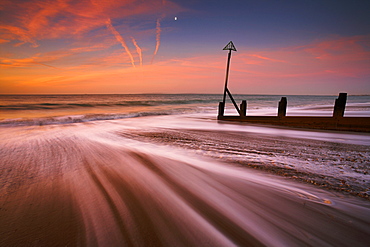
x=121, y=40
x=158, y=38
x=138, y=49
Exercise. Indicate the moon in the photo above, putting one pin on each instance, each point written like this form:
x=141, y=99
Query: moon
x=175, y=18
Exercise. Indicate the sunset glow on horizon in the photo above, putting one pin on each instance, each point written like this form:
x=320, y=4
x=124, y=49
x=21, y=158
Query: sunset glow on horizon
x=163, y=46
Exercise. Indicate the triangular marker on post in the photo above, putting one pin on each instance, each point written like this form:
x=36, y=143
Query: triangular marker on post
x=230, y=46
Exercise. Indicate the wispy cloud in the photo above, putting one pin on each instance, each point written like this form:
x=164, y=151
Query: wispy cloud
x=319, y=58
x=138, y=50
x=341, y=49
x=34, y=20
x=89, y=48
x=38, y=59
x=120, y=40
x=157, y=38
x=302, y=72
x=267, y=58
x=11, y=33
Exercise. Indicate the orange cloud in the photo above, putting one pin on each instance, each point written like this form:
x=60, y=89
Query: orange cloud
x=62, y=58
x=301, y=72
x=328, y=66
x=10, y=33
x=138, y=50
x=267, y=58
x=31, y=21
x=343, y=49
x=95, y=47
x=347, y=56
x=157, y=38
x=184, y=75
x=120, y=40
x=38, y=59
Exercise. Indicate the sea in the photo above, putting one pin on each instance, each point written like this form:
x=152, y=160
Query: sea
x=18, y=110
x=160, y=170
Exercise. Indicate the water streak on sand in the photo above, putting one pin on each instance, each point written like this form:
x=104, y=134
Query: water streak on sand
x=86, y=184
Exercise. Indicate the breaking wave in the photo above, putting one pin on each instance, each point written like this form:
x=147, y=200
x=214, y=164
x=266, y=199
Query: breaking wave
x=52, y=106
x=76, y=119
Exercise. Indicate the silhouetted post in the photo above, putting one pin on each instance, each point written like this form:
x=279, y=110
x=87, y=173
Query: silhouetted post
x=227, y=75
x=230, y=46
x=282, y=107
x=340, y=105
x=221, y=109
x=243, y=108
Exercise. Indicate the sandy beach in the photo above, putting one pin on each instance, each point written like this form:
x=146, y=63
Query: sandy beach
x=109, y=184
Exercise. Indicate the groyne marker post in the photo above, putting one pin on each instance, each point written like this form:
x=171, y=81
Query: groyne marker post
x=230, y=46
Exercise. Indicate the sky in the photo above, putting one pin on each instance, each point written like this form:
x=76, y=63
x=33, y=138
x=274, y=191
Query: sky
x=288, y=47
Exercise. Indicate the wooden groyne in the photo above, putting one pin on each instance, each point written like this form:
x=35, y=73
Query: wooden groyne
x=336, y=122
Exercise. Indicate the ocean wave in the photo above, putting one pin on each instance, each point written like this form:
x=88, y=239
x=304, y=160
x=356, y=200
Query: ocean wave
x=75, y=119
x=81, y=118
x=56, y=106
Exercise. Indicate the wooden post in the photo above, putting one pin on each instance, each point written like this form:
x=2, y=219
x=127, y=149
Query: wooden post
x=230, y=47
x=227, y=75
x=232, y=100
x=282, y=107
x=340, y=105
x=221, y=109
x=243, y=108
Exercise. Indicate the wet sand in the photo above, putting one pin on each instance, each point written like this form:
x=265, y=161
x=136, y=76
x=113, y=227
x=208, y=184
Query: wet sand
x=335, y=166
x=81, y=185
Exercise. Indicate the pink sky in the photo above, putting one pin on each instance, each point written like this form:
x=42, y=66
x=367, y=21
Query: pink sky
x=130, y=47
